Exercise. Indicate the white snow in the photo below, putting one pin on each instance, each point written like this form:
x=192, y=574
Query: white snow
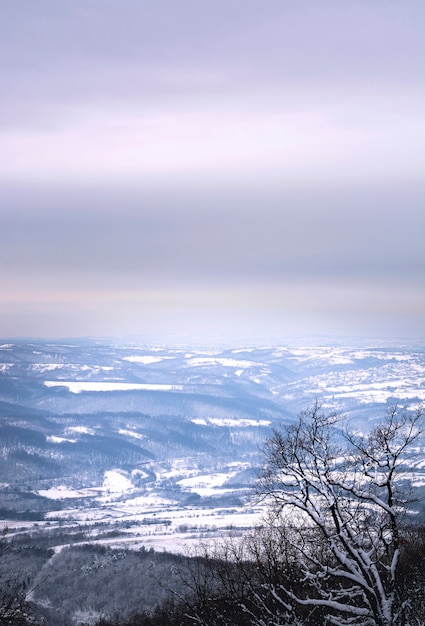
x=343, y=356
x=130, y=433
x=335, y=356
x=208, y=484
x=79, y=386
x=238, y=350
x=62, y=493
x=54, y=439
x=147, y=359
x=80, y=429
x=115, y=482
x=397, y=377
x=226, y=362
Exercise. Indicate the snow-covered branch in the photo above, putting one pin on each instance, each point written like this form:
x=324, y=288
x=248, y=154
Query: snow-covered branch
x=347, y=502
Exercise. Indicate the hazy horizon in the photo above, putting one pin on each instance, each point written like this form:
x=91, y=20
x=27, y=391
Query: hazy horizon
x=219, y=172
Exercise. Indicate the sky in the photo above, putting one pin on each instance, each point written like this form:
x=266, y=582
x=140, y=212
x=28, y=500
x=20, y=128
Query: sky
x=212, y=171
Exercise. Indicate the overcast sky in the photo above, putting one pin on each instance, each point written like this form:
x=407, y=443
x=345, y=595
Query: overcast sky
x=226, y=169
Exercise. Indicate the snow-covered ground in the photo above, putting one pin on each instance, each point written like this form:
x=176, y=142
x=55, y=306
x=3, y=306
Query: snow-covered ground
x=232, y=395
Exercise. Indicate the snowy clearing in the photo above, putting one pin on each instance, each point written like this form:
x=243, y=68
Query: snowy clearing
x=147, y=359
x=79, y=386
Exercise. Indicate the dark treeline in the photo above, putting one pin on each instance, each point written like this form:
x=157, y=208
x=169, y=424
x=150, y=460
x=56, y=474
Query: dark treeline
x=236, y=583
x=231, y=586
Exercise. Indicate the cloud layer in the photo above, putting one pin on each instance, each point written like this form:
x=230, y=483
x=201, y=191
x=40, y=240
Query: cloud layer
x=225, y=168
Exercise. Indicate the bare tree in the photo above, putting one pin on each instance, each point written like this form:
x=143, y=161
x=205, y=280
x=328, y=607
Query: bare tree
x=338, y=499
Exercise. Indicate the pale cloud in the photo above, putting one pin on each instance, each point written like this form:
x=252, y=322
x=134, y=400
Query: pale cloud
x=223, y=165
x=241, y=312
x=230, y=144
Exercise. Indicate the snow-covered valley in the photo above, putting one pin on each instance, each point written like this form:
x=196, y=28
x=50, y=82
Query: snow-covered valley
x=162, y=446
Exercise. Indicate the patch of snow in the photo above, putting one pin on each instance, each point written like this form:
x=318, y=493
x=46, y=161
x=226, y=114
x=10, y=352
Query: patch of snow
x=238, y=350
x=54, y=439
x=418, y=482
x=147, y=359
x=226, y=362
x=130, y=433
x=80, y=429
x=115, y=482
x=206, y=484
x=148, y=502
x=78, y=387
x=335, y=356
x=62, y=493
